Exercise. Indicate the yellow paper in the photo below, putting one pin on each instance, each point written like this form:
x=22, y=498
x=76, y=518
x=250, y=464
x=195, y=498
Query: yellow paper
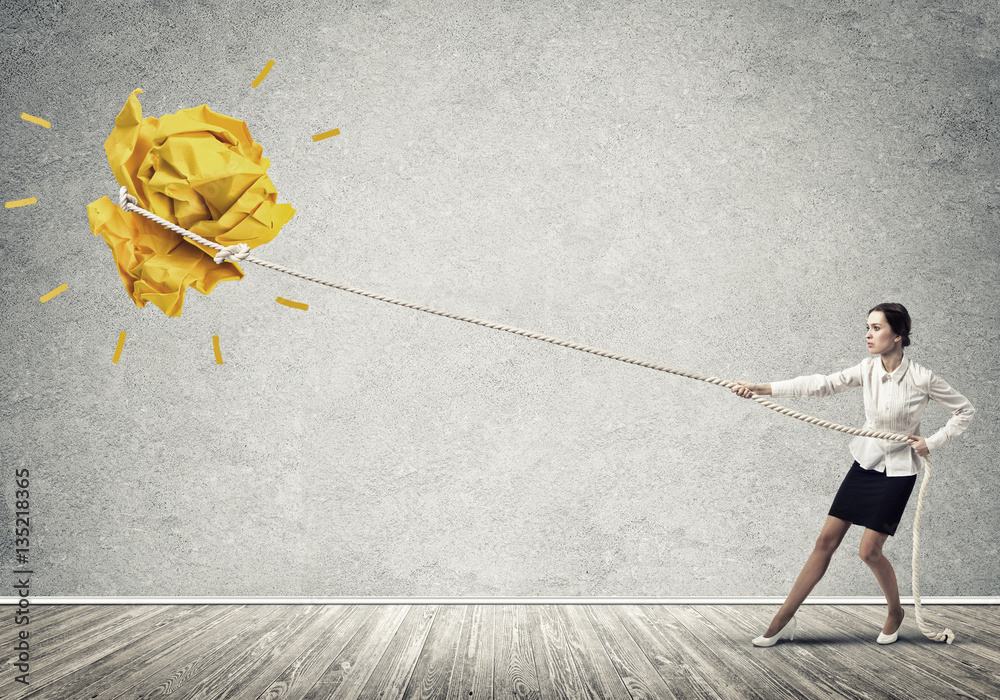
x=200, y=170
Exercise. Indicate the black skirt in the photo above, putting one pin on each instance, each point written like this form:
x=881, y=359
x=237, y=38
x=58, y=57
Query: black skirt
x=872, y=499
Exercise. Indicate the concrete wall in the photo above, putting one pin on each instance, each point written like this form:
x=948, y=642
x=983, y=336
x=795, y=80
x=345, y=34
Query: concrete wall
x=720, y=186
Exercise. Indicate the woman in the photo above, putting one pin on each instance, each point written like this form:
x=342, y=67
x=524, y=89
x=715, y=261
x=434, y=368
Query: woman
x=875, y=491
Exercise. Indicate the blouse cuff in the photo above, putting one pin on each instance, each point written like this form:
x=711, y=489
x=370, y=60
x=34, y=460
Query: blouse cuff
x=782, y=389
x=935, y=442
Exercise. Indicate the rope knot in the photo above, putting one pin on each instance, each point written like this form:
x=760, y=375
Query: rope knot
x=239, y=252
x=124, y=198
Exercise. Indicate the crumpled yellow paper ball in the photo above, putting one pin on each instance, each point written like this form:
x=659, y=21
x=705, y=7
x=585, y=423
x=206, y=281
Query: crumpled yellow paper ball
x=200, y=170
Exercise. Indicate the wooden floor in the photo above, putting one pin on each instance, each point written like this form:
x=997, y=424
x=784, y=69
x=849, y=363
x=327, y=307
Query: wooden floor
x=100, y=652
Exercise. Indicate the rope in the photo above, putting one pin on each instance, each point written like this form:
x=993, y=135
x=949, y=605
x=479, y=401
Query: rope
x=945, y=635
x=241, y=252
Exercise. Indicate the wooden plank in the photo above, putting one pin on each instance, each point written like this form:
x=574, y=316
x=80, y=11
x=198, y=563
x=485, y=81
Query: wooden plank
x=816, y=651
x=350, y=670
x=162, y=638
x=436, y=663
x=379, y=623
x=925, y=663
x=725, y=660
x=973, y=657
x=302, y=674
x=250, y=677
x=68, y=657
x=53, y=616
x=979, y=633
x=811, y=663
x=557, y=675
x=687, y=666
x=985, y=618
x=554, y=652
x=46, y=634
x=979, y=621
x=640, y=678
x=182, y=674
x=394, y=669
x=598, y=674
x=240, y=663
x=473, y=676
x=66, y=616
x=979, y=638
x=43, y=613
x=514, y=664
x=763, y=669
x=891, y=667
x=194, y=642
x=53, y=636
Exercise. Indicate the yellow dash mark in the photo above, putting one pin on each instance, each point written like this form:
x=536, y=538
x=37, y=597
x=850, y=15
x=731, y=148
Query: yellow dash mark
x=260, y=77
x=35, y=120
x=326, y=134
x=292, y=304
x=54, y=293
x=218, y=350
x=20, y=202
x=118, y=350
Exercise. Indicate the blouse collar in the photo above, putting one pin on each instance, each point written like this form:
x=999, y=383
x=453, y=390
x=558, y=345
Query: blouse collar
x=896, y=375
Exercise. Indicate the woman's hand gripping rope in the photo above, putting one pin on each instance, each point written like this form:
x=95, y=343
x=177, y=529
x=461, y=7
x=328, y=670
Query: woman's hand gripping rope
x=919, y=445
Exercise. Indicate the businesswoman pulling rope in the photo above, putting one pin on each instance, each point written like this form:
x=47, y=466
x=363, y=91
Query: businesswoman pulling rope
x=875, y=491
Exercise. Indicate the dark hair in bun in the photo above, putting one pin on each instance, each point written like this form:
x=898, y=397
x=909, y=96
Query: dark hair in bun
x=898, y=318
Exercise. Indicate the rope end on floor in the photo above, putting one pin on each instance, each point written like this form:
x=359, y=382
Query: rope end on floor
x=946, y=635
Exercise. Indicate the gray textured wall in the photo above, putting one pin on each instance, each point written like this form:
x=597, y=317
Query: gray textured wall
x=719, y=186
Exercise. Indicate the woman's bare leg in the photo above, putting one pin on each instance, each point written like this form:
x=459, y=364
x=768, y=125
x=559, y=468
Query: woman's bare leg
x=829, y=539
x=871, y=554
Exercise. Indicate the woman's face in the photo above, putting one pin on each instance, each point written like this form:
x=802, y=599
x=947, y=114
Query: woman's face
x=880, y=337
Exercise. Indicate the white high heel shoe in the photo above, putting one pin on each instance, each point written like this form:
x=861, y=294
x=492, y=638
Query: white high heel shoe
x=786, y=631
x=887, y=638
x=884, y=638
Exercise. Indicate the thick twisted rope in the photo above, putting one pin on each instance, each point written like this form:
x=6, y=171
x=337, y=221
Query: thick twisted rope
x=241, y=252
x=946, y=635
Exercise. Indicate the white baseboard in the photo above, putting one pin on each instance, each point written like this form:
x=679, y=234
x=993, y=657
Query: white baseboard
x=117, y=600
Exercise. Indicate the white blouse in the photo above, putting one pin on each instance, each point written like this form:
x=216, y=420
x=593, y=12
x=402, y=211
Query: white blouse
x=894, y=402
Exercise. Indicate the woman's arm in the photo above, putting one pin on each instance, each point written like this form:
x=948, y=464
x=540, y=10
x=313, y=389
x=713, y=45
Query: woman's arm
x=808, y=386
x=817, y=385
x=962, y=410
x=746, y=387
